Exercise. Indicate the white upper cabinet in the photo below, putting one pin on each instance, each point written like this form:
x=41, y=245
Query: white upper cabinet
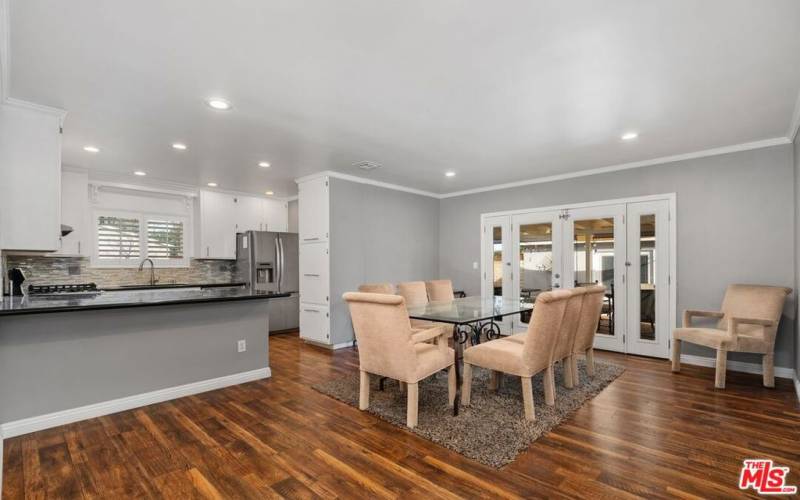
x=314, y=210
x=222, y=215
x=30, y=178
x=217, y=236
x=74, y=213
x=250, y=214
x=276, y=215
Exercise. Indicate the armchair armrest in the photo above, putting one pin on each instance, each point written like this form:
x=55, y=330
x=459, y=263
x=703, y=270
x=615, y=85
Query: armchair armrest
x=689, y=313
x=427, y=334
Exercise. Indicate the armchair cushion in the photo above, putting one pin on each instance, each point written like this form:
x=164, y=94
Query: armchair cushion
x=709, y=337
x=500, y=355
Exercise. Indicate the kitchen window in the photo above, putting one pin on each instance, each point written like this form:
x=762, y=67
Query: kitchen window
x=123, y=239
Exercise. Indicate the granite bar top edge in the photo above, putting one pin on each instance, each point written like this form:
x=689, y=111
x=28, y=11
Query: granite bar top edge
x=132, y=299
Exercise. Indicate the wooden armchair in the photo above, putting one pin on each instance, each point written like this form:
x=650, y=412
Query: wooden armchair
x=747, y=322
x=387, y=348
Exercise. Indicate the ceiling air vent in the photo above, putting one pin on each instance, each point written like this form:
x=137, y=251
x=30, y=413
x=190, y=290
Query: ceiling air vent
x=367, y=166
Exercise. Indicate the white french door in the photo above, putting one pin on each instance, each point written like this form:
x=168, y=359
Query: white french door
x=623, y=245
x=594, y=253
x=497, y=263
x=648, y=278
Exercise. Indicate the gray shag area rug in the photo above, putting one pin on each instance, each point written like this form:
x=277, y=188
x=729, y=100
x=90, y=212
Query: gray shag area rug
x=493, y=429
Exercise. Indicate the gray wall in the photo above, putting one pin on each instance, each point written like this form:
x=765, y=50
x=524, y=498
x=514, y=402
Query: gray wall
x=294, y=217
x=797, y=248
x=378, y=235
x=58, y=361
x=735, y=225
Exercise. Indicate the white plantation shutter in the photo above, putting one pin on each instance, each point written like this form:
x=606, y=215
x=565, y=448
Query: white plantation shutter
x=117, y=238
x=125, y=238
x=164, y=239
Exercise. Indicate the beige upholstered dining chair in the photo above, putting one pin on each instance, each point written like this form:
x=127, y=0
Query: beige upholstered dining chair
x=388, y=349
x=387, y=288
x=523, y=359
x=566, y=337
x=587, y=328
x=440, y=290
x=747, y=322
x=416, y=294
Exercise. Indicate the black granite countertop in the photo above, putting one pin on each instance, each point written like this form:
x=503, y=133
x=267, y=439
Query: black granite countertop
x=132, y=298
x=161, y=286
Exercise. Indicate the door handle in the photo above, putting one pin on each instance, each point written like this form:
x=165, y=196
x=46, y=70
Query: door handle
x=310, y=310
x=556, y=285
x=311, y=275
x=310, y=239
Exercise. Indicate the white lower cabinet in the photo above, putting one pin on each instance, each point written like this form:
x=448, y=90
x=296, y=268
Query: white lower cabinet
x=314, y=273
x=315, y=323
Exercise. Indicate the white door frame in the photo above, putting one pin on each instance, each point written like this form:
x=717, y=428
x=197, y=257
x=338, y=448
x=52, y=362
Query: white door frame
x=487, y=262
x=673, y=240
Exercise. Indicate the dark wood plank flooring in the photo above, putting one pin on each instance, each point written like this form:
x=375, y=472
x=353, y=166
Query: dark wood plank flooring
x=649, y=434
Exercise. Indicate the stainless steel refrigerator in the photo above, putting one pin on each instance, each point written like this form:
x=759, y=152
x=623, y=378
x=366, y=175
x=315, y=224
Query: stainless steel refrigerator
x=269, y=261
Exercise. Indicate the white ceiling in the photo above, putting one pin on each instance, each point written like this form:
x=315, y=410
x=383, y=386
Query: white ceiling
x=496, y=91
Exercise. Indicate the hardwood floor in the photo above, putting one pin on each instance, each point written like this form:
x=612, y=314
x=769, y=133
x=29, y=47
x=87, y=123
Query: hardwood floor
x=650, y=434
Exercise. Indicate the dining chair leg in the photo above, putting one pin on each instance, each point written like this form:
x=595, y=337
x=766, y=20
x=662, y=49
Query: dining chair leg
x=590, y=361
x=527, y=398
x=412, y=407
x=768, y=366
x=574, y=367
x=494, y=380
x=466, y=385
x=549, y=387
x=566, y=368
x=722, y=362
x=676, y=355
x=363, y=397
x=451, y=385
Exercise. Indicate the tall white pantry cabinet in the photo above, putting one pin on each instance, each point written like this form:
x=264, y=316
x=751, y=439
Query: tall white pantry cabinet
x=314, y=230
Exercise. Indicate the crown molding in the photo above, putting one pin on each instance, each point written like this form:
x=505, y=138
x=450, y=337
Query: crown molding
x=626, y=166
x=39, y=108
x=371, y=182
x=795, y=123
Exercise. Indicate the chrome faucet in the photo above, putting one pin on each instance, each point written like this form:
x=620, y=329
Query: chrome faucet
x=152, y=270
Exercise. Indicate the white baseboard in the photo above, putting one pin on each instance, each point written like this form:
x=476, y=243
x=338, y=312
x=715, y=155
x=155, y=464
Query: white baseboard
x=41, y=422
x=735, y=366
x=797, y=383
x=332, y=347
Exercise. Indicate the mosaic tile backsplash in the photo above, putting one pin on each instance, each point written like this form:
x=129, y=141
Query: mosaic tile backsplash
x=41, y=270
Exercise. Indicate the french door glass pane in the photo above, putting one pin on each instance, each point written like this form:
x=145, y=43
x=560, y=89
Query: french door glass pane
x=594, y=263
x=647, y=274
x=535, y=262
x=497, y=260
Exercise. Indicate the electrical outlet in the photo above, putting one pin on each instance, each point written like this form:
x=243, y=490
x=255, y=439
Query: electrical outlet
x=241, y=346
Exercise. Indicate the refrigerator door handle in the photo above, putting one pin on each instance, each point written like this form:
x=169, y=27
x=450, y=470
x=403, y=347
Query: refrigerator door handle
x=280, y=279
x=278, y=263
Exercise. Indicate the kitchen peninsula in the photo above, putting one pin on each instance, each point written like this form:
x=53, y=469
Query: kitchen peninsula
x=67, y=359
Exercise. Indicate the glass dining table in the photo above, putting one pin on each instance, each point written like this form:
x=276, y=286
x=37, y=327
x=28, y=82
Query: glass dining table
x=472, y=318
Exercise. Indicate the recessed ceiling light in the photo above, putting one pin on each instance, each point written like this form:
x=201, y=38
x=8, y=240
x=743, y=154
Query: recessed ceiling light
x=179, y=145
x=219, y=103
x=140, y=173
x=450, y=174
x=628, y=136
x=212, y=184
x=269, y=193
x=91, y=149
x=264, y=164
